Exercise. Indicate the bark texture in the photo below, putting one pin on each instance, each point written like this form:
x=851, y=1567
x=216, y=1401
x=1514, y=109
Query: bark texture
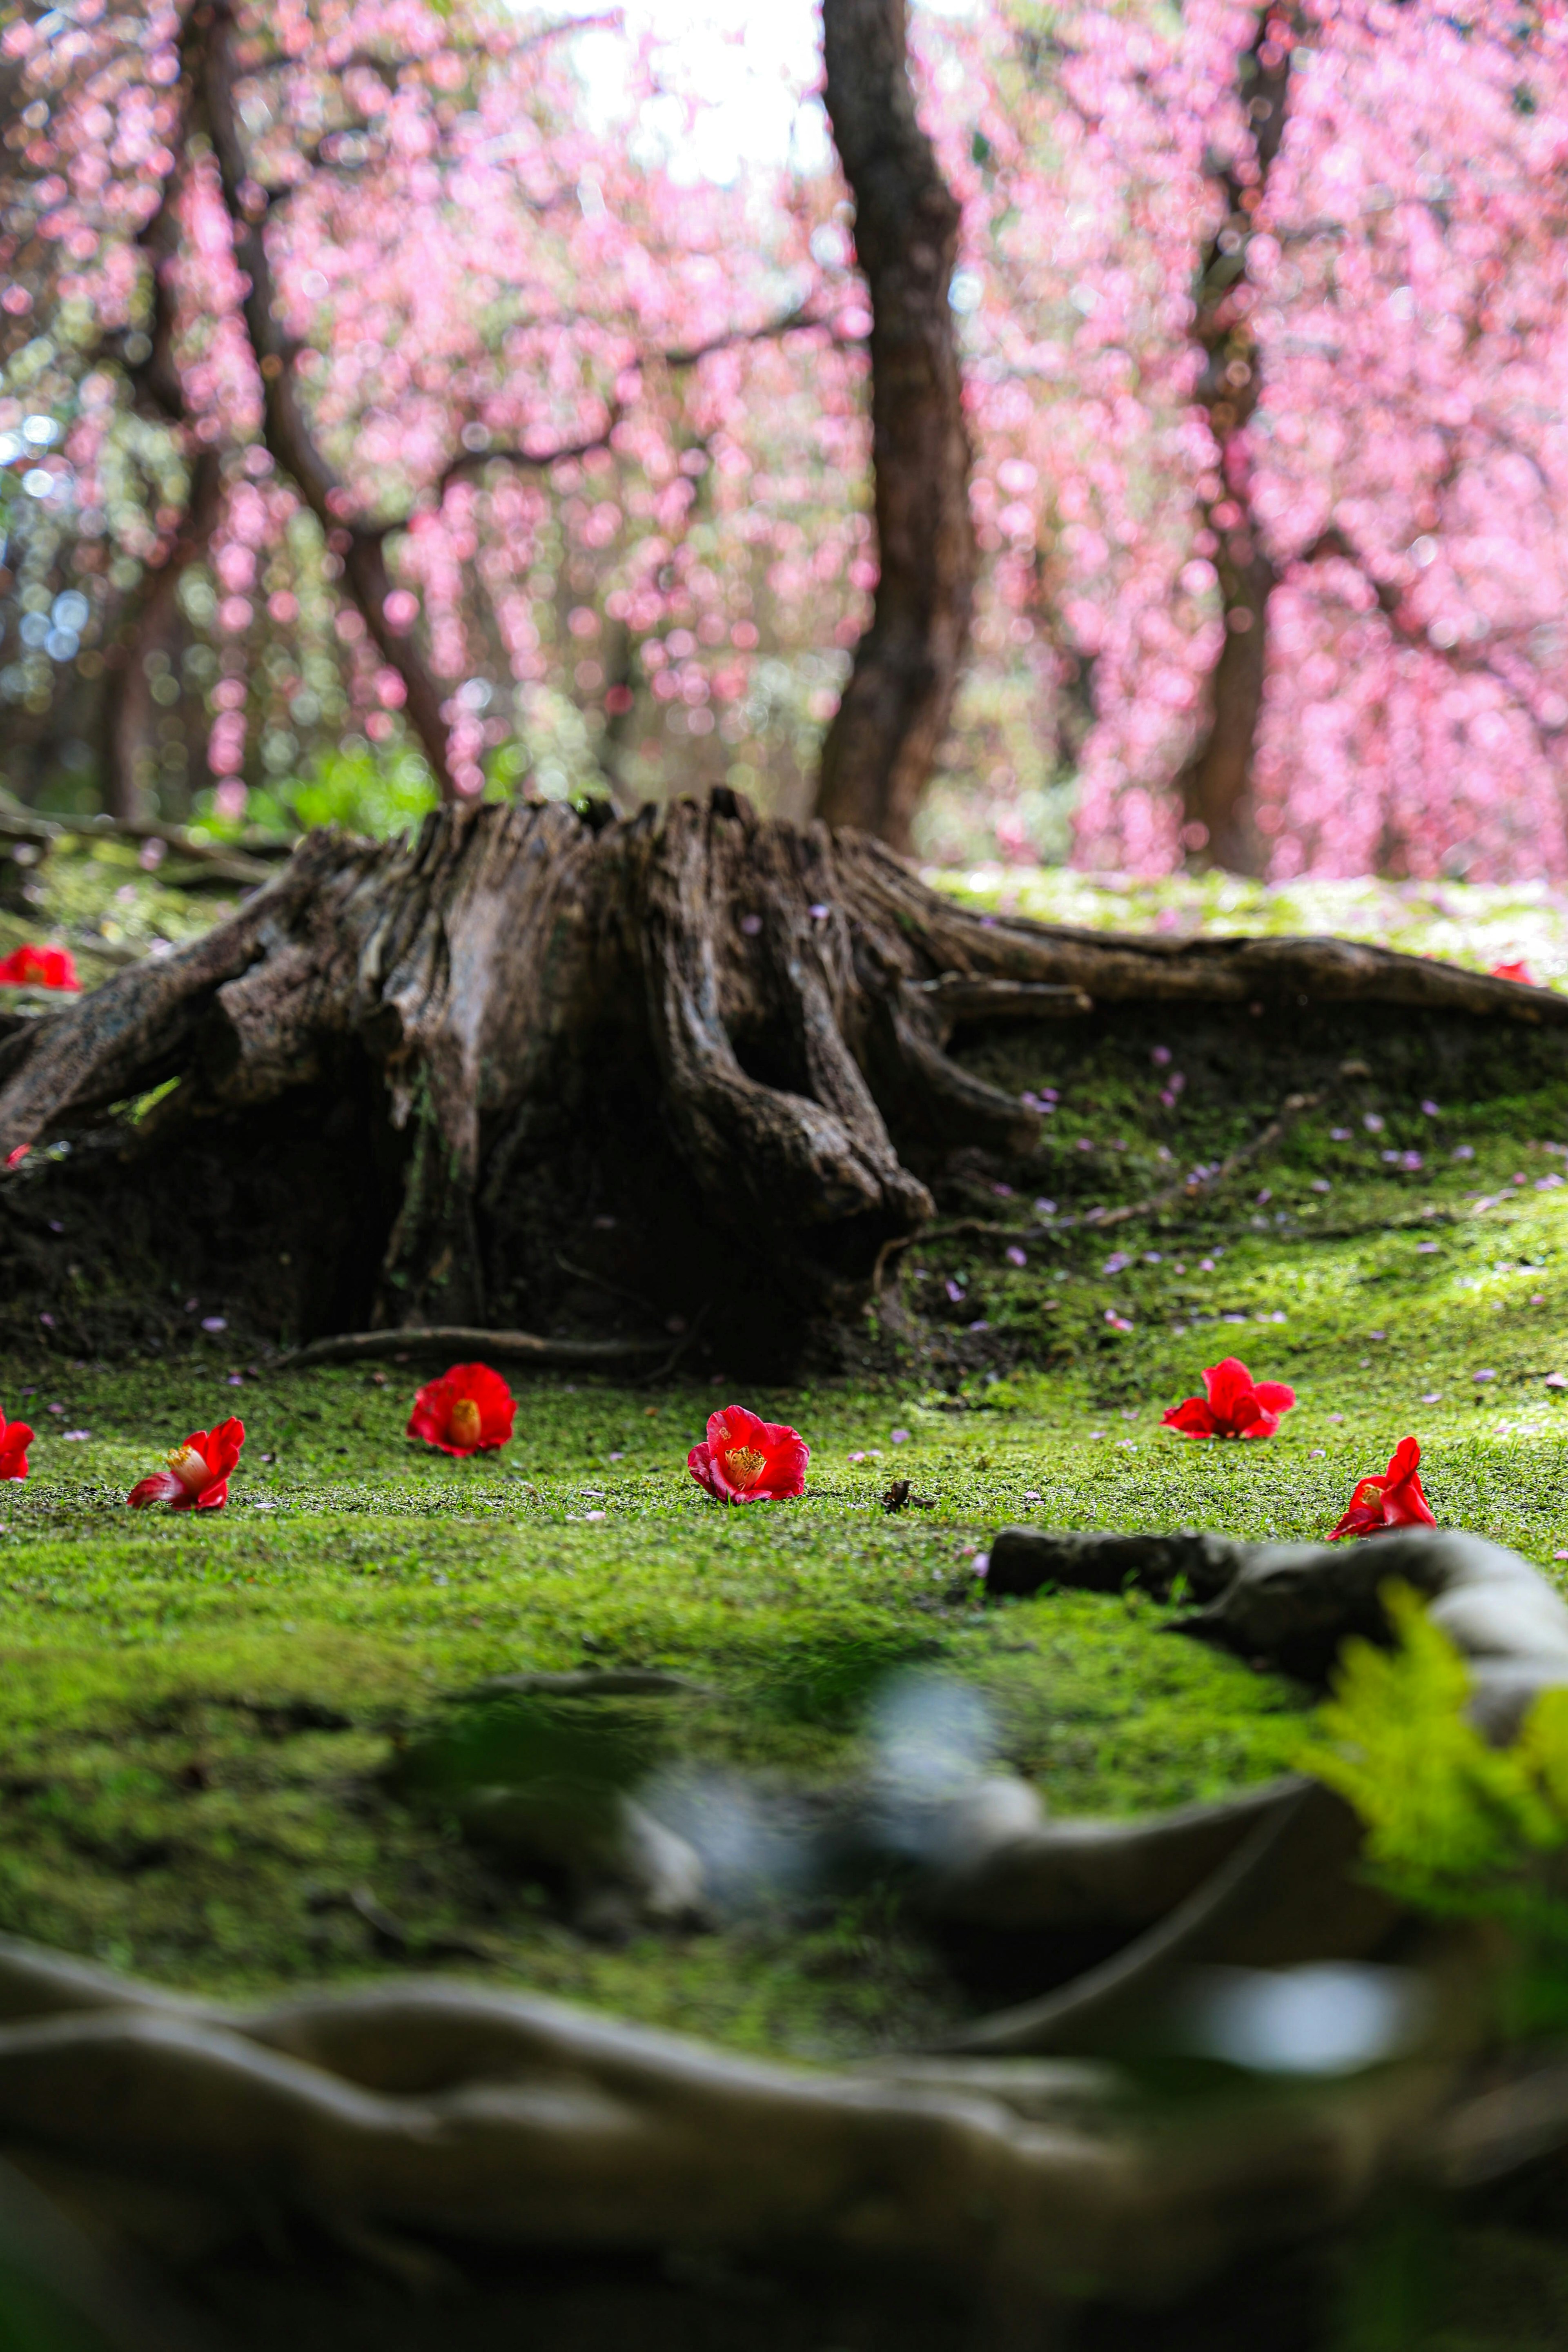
x=885, y=737
x=1215, y=783
x=153, y=625
x=690, y=1063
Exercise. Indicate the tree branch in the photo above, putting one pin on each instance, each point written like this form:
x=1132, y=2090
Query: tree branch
x=792, y=322
x=285, y=428
x=1469, y=660
x=474, y=461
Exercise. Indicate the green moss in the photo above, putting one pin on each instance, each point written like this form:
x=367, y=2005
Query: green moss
x=201, y=1712
x=201, y=1707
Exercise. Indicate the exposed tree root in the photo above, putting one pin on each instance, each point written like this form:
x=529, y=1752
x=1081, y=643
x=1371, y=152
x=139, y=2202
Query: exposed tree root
x=1295, y=1603
x=225, y=863
x=458, y=2114
x=454, y=1339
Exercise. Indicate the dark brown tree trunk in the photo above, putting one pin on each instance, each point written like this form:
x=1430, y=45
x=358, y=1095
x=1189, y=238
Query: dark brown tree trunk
x=1216, y=781
x=1215, y=784
x=151, y=626
x=881, y=745
x=285, y=428
x=150, y=623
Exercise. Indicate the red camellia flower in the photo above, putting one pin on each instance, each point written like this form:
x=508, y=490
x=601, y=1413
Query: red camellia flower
x=1518, y=970
x=33, y=967
x=469, y=1409
x=1395, y=1500
x=197, y=1476
x=15, y=1439
x=1235, y=1405
x=745, y=1460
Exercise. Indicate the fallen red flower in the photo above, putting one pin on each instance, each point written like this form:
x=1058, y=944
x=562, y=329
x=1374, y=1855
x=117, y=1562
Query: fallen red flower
x=197, y=1476
x=1236, y=1404
x=15, y=1439
x=33, y=967
x=1396, y=1500
x=1518, y=970
x=745, y=1460
x=469, y=1409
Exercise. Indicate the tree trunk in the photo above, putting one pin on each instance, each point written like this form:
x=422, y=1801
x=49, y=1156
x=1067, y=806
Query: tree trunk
x=881, y=745
x=129, y=714
x=592, y=1079
x=1215, y=783
x=285, y=428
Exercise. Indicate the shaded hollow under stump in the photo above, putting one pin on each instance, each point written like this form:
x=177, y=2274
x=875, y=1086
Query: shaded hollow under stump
x=604, y=1084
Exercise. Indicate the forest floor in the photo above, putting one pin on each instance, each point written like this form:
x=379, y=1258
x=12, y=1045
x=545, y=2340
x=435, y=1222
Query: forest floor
x=199, y=1760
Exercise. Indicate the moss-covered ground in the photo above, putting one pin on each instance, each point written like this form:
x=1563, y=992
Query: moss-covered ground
x=203, y=1715
x=200, y=1711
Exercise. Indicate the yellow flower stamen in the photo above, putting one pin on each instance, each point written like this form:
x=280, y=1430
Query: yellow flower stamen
x=189, y=1467
x=742, y=1464
x=465, y=1422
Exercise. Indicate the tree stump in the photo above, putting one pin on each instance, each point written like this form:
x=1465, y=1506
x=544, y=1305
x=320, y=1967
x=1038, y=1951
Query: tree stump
x=539, y=1066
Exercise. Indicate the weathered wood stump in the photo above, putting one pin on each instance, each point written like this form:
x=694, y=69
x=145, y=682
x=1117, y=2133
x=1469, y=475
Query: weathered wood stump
x=690, y=1063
